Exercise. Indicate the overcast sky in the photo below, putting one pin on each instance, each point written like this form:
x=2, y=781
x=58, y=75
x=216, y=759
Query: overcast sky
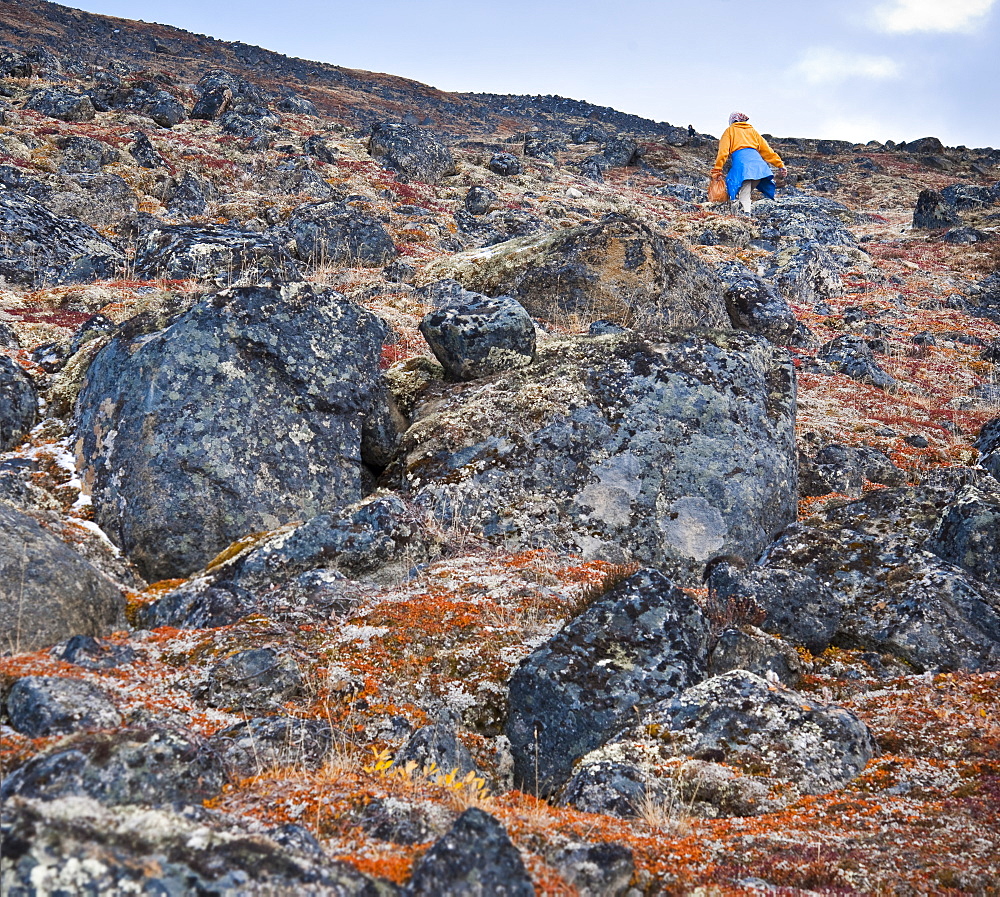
x=851, y=69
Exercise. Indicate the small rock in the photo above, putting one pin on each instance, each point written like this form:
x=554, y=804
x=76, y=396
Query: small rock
x=39, y=706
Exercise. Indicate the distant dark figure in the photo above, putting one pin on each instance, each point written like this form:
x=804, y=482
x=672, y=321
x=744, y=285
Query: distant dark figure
x=748, y=155
x=691, y=131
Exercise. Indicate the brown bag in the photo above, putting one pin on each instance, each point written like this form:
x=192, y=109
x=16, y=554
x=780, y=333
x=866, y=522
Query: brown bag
x=717, y=191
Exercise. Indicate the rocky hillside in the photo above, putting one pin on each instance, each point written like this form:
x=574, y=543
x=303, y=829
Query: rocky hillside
x=417, y=493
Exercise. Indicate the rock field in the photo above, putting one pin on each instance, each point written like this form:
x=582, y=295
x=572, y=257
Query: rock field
x=410, y=493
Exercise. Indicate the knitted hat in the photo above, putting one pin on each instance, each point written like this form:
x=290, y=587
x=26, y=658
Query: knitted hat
x=738, y=116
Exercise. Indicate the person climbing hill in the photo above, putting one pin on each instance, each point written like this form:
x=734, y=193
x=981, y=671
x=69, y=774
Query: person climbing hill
x=749, y=156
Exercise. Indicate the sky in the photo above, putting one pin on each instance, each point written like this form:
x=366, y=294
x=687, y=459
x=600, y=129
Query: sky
x=855, y=70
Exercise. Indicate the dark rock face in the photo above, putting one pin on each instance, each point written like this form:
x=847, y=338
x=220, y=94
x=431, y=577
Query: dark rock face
x=93, y=654
x=474, y=859
x=85, y=155
x=805, y=272
x=755, y=306
x=925, y=146
x=48, y=592
x=255, y=679
x=250, y=410
x=129, y=766
x=75, y=845
x=933, y=212
x=414, y=153
x=597, y=870
x=680, y=450
x=223, y=256
x=18, y=403
x=317, y=147
x=617, y=268
x=296, y=105
x=851, y=355
x=269, y=741
x=333, y=233
x=646, y=640
x=43, y=248
x=62, y=104
x=986, y=295
x=475, y=336
x=49, y=705
x=801, y=218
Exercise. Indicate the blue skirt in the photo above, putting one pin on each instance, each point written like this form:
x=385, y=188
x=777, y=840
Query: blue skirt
x=747, y=165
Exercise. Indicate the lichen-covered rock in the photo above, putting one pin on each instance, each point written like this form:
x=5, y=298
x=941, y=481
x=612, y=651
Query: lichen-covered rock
x=851, y=355
x=474, y=859
x=646, y=640
x=48, y=592
x=934, y=212
x=668, y=453
x=74, y=845
x=127, y=766
x=896, y=596
x=55, y=102
x=336, y=234
x=18, y=403
x=256, y=679
x=101, y=200
x=220, y=255
x=85, y=155
x=755, y=305
x=747, y=648
x=142, y=150
x=499, y=226
x=52, y=705
x=805, y=272
x=436, y=745
x=191, y=197
x=248, y=412
x=797, y=607
x=93, y=653
x=475, y=336
x=968, y=535
x=617, y=268
x=378, y=537
x=41, y=247
x=504, y=164
x=266, y=742
x=844, y=469
x=414, y=153
x=745, y=721
x=597, y=870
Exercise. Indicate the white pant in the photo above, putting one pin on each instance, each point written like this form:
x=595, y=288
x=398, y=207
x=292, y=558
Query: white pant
x=743, y=197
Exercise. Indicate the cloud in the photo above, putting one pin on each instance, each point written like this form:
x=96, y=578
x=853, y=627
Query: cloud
x=824, y=65
x=904, y=16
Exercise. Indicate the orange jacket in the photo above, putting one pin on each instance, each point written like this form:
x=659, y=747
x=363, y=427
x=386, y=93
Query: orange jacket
x=742, y=135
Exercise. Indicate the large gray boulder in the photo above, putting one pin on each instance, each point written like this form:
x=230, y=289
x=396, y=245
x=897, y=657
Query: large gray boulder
x=617, y=268
x=56, y=102
x=667, y=453
x=53, y=705
x=220, y=255
x=756, y=306
x=414, y=153
x=968, y=534
x=44, y=248
x=644, y=641
x=48, y=592
x=250, y=411
x=100, y=200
